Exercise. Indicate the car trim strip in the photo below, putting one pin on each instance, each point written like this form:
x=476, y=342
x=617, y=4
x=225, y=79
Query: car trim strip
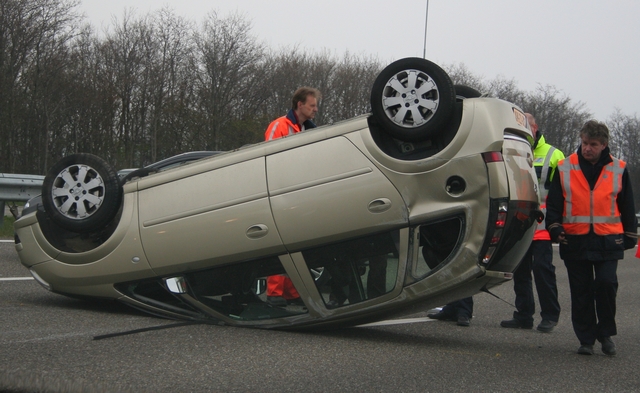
x=324, y=180
x=205, y=209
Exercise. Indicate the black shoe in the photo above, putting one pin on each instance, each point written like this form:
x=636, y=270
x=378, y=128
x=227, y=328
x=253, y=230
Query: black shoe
x=546, y=326
x=442, y=316
x=515, y=324
x=463, y=321
x=608, y=346
x=277, y=301
x=585, y=349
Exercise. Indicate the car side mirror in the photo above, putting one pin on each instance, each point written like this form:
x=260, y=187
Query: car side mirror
x=259, y=286
x=176, y=284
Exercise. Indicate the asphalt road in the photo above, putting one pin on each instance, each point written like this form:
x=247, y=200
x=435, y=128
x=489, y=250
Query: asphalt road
x=47, y=344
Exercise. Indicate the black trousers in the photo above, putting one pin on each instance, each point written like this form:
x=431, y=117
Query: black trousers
x=594, y=286
x=539, y=259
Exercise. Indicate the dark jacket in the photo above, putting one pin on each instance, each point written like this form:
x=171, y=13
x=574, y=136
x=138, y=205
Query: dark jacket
x=591, y=246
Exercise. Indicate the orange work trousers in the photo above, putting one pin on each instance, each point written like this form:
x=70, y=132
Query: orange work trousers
x=281, y=286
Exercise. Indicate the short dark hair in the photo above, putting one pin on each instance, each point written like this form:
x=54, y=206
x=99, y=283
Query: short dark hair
x=301, y=95
x=594, y=129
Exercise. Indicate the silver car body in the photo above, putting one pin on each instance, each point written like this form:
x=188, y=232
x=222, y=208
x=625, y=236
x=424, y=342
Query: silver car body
x=285, y=197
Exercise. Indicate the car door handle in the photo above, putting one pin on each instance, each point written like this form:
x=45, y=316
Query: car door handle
x=257, y=231
x=379, y=205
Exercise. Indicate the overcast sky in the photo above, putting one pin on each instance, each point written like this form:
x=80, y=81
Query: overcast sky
x=587, y=49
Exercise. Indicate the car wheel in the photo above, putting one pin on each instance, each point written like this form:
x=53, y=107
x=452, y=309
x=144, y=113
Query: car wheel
x=412, y=99
x=463, y=92
x=81, y=193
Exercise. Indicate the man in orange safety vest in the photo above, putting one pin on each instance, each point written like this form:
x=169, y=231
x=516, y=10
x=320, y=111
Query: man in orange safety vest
x=304, y=106
x=591, y=213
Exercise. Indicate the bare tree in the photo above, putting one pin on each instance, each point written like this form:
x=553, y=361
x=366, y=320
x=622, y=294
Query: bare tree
x=158, y=85
x=227, y=55
x=506, y=89
x=287, y=73
x=349, y=93
x=33, y=39
x=558, y=117
x=91, y=105
x=624, y=142
x=170, y=65
x=461, y=75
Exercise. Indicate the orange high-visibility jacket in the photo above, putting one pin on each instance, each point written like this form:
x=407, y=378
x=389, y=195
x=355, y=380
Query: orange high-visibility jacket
x=286, y=125
x=584, y=207
x=282, y=126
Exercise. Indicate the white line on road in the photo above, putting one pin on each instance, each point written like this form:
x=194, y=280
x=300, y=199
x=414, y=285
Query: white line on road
x=398, y=321
x=16, y=278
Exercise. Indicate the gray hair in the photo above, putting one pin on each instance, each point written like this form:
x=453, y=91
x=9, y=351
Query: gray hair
x=594, y=129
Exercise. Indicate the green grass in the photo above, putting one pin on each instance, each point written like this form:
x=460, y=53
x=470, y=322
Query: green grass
x=6, y=230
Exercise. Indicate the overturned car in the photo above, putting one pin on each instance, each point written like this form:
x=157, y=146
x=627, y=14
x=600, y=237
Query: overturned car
x=429, y=198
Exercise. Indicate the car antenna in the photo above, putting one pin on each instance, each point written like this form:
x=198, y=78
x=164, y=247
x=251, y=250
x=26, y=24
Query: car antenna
x=484, y=289
x=160, y=327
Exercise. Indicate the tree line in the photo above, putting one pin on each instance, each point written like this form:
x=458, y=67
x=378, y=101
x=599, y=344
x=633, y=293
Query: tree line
x=152, y=86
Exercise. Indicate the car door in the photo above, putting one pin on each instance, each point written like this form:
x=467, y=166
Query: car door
x=329, y=191
x=210, y=218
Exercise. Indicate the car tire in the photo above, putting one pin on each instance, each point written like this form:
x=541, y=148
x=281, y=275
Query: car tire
x=81, y=193
x=463, y=92
x=412, y=99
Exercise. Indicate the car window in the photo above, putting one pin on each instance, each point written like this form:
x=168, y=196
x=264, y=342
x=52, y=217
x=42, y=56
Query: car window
x=238, y=291
x=173, y=165
x=354, y=271
x=437, y=243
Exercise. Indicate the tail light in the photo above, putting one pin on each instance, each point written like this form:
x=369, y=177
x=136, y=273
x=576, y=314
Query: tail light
x=496, y=230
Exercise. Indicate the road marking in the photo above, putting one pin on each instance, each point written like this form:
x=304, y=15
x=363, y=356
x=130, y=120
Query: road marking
x=16, y=278
x=7, y=241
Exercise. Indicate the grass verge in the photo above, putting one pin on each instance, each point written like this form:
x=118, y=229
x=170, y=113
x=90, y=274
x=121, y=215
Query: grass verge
x=6, y=229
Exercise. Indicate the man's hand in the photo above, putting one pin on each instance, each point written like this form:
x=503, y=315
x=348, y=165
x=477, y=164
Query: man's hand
x=556, y=231
x=630, y=242
x=562, y=239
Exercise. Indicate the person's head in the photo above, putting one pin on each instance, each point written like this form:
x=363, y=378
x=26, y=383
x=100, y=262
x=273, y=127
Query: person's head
x=305, y=103
x=532, y=123
x=595, y=138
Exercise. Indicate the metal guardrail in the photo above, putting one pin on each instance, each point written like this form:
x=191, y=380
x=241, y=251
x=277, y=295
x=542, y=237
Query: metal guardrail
x=18, y=188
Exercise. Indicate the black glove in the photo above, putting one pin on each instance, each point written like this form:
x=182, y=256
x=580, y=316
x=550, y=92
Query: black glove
x=555, y=232
x=629, y=242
